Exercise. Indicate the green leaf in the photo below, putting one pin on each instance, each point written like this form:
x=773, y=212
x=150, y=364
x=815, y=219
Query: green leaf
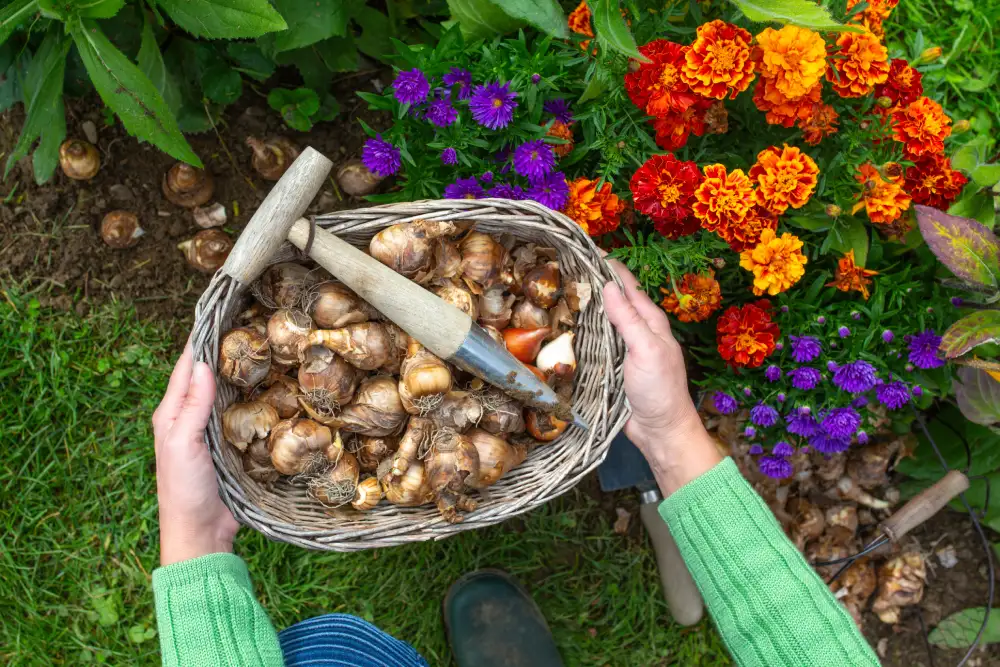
x=482, y=19
x=99, y=9
x=12, y=75
x=611, y=29
x=14, y=15
x=338, y=54
x=105, y=604
x=295, y=106
x=973, y=330
x=978, y=395
x=810, y=223
x=151, y=63
x=250, y=60
x=546, y=15
x=222, y=84
x=595, y=88
x=972, y=158
x=975, y=205
x=803, y=13
x=983, y=443
x=969, y=249
x=375, y=38
x=127, y=91
x=224, y=19
x=961, y=628
x=308, y=22
x=854, y=236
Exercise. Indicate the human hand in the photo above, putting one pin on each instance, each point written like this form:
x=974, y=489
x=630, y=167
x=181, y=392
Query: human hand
x=665, y=424
x=193, y=519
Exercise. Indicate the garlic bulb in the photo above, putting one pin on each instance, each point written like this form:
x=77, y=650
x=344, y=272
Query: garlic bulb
x=79, y=159
x=188, y=186
x=332, y=306
x=373, y=450
x=207, y=250
x=422, y=376
x=338, y=484
x=366, y=345
x=120, y=229
x=497, y=457
x=408, y=248
x=285, y=285
x=301, y=445
x=557, y=358
x=357, y=180
x=272, y=158
x=409, y=489
x=482, y=260
x=524, y=344
x=242, y=423
x=283, y=396
x=461, y=298
x=244, y=357
x=368, y=495
x=542, y=285
x=543, y=426
x=529, y=316
x=288, y=331
x=327, y=379
x=376, y=410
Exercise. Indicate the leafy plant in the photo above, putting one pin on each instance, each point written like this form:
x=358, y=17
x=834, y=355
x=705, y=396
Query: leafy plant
x=960, y=629
x=301, y=108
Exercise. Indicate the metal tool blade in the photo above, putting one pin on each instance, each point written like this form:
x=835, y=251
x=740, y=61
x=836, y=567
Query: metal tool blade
x=625, y=467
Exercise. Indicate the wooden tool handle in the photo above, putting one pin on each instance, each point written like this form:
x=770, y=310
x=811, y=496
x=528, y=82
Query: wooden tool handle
x=438, y=325
x=924, y=505
x=679, y=588
x=268, y=228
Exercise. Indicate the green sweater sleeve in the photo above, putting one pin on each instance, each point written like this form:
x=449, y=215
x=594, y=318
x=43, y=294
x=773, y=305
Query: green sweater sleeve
x=207, y=615
x=769, y=606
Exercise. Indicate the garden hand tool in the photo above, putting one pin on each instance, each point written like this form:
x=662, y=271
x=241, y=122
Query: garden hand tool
x=626, y=467
x=442, y=328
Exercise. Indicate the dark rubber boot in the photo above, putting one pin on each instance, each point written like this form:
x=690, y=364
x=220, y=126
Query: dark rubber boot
x=493, y=622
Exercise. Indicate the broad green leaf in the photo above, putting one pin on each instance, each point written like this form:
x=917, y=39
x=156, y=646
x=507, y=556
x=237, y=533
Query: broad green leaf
x=595, y=88
x=546, y=15
x=973, y=159
x=961, y=628
x=811, y=223
x=482, y=18
x=98, y=9
x=222, y=84
x=224, y=19
x=802, y=13
x=969, y=249
x=983, y=442
x=978, y=396
x=14, y=15
x=611, y=29
x=338, y=54
x=106, y=605
x=128, y=92
x=151, y=63
x=12, y=75
x=978, y=328
x=854, y=236
x=975, y=205
x=250, y=60
x=374, y=40
x=308, y=22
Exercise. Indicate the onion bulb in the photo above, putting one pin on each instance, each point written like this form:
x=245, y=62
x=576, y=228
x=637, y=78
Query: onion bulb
x=242, y=423
x=495, y=308
x=457, y=410
x=543, y=426
x=408, y=248
x=423, y=379
x=409, y=489
x=258, y=452
x=461, y=298
x=357, y=180
x=324, y=374
x=120, y=229
x=207, y=250
x=79, y=159
x=244, y=357
x=365, y=345
x=283, y=396
x=412, y=446
x=482, y=260
x=557, y=358
x=272, y=158
x=188, y=186
x=542, y=285
x=332, y=306
x=288, y=330
x=368, y=495
x=284, y=285
x=496, y=456
x=524, y=344
x=373, y=450
x=261, y=472
x=501, y=413
x=447, y=260
x=302, y=445
x=376, y=410
x=338, y=484
x=529, y=316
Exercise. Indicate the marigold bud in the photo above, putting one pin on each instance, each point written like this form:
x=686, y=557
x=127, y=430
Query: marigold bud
x=719, y=262
x=961, y=127
x=892, y=170
x=833, y=210
x=864, y=125
x=884, y=101
x=930, y=54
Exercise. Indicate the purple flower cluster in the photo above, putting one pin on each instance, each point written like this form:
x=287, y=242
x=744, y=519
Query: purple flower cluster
x=534, y=159
x=782, y=449
x=464, y=188
x=493, y=105
x=893, y=395
x=805, y=377
x=440, y=113
x=805, y=348
x=560, y=109
x=828, y=444
x=462, y=78
x=551, y=190
x=763, y=415
x=772, y=373
x=840, y=422
x=855, y=377
x=802, y=424
x=724, y=403
x=411, y=86
x=381, y=157
x=776, y=467
x=506, y=191
x=924, y=351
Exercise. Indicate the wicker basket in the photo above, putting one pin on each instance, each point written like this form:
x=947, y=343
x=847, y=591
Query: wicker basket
x=284, y=511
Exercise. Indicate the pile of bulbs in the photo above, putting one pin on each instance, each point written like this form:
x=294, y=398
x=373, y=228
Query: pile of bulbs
x=341, y=400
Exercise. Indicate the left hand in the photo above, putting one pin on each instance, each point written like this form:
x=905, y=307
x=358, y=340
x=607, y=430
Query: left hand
x=193, y=519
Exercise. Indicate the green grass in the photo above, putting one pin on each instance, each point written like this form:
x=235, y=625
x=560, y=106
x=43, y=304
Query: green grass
x=79, y=532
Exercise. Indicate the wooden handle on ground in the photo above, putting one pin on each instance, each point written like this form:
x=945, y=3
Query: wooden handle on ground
x=924, y=505
x=438, y=325
x=679, y=588
x=268, y=228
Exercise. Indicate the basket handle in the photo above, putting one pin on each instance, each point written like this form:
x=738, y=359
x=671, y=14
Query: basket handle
x=284, y=204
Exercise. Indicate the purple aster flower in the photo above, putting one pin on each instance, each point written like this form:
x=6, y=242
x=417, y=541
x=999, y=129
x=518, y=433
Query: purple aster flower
x=506, y=191
x=803, y=425
x=860, y=402
x=841, y=422
x=411, y=87
x=821, y=320
x=827, y=444
x=462, y=78
x=779, y=346
x=747, y=391
x=862, y=438
x=449, y=156
x=856, y=377
x=756, y=450
x=749, y=432
x=804, y=410
x=805, y=348
x=724, y=403
x=534, y=159
x=784, y=309
x=776, y=467
x=855, y=315
x=763, y=415
x=843, y=332
x=917, y=391
x=887, y=336
x=441, y=113
x=772, y=373
x=957, y=301
x=804, y=378
x=781, y=397
x=559, y=109
x=832, y=366
x=487, y=177
x=551, y=191
x=924, y=349
x=535, y=78
x=381, y=157
x=464, y=188
x=893, y=395
x=493, y=105
x=782, y=449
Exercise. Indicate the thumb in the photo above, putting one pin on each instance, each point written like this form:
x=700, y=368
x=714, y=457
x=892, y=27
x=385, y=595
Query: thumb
x=193, y=418
x=626, y=319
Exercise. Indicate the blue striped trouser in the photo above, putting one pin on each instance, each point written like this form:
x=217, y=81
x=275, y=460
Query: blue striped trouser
x=342, y=640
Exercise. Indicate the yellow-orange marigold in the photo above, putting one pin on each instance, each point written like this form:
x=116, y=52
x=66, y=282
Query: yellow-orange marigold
x=779, y=109
x=777, y=263
x=793, y=58
x=822, y=122
x=921, y=127
x=722, y=200
x=884, y=200
x=785, y=177
x=697, y=297
x=747, y=233
x=718, y=61
x=859, y=63
x=850, y=276
x=597, y=211
x=874, y=14
x=561, y=130
x=579, y=20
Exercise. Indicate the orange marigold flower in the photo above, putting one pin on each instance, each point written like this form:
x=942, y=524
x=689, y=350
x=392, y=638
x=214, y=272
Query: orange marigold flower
x=793, y=58
x=850, y=276
x=723, y=200
x=903, y=86
x=656, y=87
x=696, y=298
x=673, y=129
x=858, y=65
x=746, y=336
x=785, y=177
x=884, y=200
x=663, y=188
x=718, y=61
x=922, y=126
x=579, y=20
x=822, y=122
x=747, y=234
x=931, y=181
x=561, y=130
x=597, y=211
x=779, y=109
x=873, y=15
x=776, y=262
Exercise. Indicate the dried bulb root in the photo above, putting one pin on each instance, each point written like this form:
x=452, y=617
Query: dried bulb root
x=285, y=285
x=79, y=159
x=408, y=248
x=120, y=229
x=188, y=186
x=243, y=423
x=272, y=158
x=207, y=250
x=368, y=495
x=244, y=357
x=366, y=345
x=338, y=484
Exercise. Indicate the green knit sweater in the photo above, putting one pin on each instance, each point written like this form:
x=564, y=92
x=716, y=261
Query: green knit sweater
x=769, y=606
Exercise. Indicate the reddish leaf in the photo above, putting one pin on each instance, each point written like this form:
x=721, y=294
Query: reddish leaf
x=978, y=396
x=982, y=326
x=969, y=249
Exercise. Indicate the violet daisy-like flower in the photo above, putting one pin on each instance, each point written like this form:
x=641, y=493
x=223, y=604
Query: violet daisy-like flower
x=534, y=159
x=486, y=177
x=924, y=349
x=493, y=105
x=804, y=377
x=800, y=424
x=551, y=190
x=862, y=438
x=724, y=403
x=464, y=188
x=749, y=432
x=381, y=157
x=772, y=373
x=840, y=422
x=843, y=332
x=411, y=86
x=893, y=395
x=828, y=444
x=856, y=377
x=506, y=191
x=440, y=113
x=775, y=467
x=449, y=156
x=887, y=336
x=462, y=78
x=805, y=348
x=535, y=78
x=763, y=415
x=756, y=450
x=560, y=109
x=782, y=449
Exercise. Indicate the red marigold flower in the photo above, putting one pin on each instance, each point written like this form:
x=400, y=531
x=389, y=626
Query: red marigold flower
x=922, y=126
x=858, y=65
x=718, y=61
x=696, y=298
x=673, y=129
x=822, y=122
x=723, y=200
x=561, y=130
x=931, y=181
x=785, y=177
x=747, y=234
x=579, y=20
x=903, y=86
x=656, y=87
x=675, y=230
x=597, y=211
x=746, y=336
x=663, y=188
x=781, y=110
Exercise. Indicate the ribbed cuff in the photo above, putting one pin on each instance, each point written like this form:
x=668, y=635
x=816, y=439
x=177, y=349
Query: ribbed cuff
x=196, y=569
x=699, y=490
